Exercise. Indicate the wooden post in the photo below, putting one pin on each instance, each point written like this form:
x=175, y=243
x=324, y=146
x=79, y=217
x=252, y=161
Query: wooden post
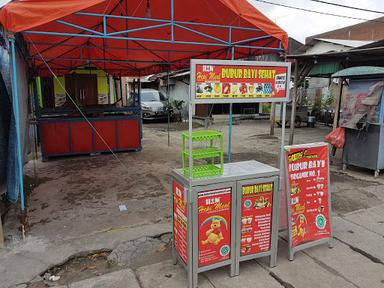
x=273, y=118
x=338, y=104
x=1, y=234
x=294, y=98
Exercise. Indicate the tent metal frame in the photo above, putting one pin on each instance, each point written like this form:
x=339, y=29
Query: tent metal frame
x=106, y=33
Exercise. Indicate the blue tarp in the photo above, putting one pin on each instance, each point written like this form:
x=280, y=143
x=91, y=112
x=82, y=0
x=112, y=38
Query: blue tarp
x=9, y=176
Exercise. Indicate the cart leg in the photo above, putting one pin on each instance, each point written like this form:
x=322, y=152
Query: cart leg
x=234, y=270
x=273, y=260
x=377, y=173
x=291, y=254
x=330, y=243
x=174, y=256
x=344, y=167
x=1, y=235
x=192, y=278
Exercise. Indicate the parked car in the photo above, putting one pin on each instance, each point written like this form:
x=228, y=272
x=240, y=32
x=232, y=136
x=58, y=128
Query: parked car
x=154, y=104
x=301, y=115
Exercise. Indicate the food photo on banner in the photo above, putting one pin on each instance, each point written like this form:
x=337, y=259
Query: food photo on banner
x=308, y=193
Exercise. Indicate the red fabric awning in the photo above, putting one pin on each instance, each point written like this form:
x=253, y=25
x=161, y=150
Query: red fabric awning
x=130, y=57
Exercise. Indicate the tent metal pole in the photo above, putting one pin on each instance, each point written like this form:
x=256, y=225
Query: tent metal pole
x=230, y=119
x=294, y=100
x=16, y=112
x=172, y=20
x=281, y=164
x=168, y=111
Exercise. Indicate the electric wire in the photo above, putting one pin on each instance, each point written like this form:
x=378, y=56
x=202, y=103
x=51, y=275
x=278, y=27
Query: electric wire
x=318, y=12
x=77, y=107
x=348, y=7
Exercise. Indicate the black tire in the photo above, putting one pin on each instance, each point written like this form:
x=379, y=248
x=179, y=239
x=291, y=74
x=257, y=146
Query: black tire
x=297, y=122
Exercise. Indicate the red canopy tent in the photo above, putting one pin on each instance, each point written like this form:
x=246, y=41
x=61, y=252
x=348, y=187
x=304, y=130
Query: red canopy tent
x=133, y=37
x=128, y=37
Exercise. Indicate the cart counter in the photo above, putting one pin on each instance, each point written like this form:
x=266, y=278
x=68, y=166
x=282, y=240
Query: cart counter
x=74, y=135
x=227, y=219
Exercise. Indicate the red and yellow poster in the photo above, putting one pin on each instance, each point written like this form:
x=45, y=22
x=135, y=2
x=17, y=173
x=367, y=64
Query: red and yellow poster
x=309, y=192
x=180, y=221
x=214, y=224
x=241, y=82
x=256, y=218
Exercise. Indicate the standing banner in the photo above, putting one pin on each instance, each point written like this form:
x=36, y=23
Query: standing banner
x=308, y=195
x=223, y=81
x=214, y=222
x=180, y=221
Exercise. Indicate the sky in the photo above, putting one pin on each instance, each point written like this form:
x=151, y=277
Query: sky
x=300, y=24
x=3, y=2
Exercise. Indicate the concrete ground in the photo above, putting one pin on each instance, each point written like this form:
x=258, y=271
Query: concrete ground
x=74, y=210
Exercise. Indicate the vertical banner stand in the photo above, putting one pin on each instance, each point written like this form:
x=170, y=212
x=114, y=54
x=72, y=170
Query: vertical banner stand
x=308, y=196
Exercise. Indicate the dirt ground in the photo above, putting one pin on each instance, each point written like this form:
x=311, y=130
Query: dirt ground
x=78, y=197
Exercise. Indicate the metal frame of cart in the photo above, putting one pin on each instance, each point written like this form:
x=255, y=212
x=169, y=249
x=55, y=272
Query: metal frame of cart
x=237, y=175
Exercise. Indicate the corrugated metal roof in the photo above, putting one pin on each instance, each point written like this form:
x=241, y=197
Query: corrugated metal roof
x=348, y=43
x=359, y=71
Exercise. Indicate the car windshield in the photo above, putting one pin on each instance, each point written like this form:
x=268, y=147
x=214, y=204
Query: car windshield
x=152, y=96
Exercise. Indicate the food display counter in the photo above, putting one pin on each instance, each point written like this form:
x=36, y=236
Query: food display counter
x=224, y=220
x=74, y=135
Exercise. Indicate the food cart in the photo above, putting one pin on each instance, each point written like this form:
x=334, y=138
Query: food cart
x=362, y=117
x=226, y=213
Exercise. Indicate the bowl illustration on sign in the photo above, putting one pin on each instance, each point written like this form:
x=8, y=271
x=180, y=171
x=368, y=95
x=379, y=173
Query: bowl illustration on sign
x=251, y=89
x=259, y=88
x=217, y=88
x=226, y=88
x=234, y=88
x=208, y=88
x=243, y=89
x=199, y=89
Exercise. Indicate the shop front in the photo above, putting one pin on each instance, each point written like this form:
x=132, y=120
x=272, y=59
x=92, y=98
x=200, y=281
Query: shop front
x=62, y=103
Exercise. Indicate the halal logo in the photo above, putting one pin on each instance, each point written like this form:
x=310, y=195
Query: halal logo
x=321, y=222
x=224, y=250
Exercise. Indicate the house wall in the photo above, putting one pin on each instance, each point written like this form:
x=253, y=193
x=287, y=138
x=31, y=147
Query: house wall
x=59, y=87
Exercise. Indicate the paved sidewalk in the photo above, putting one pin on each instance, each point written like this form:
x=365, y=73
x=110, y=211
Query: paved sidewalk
x=74, y=210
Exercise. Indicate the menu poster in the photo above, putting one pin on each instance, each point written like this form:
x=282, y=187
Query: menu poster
x=180, y=221
x=214, y=81
x=307, y=168
x=214, y=222
x=256, y=218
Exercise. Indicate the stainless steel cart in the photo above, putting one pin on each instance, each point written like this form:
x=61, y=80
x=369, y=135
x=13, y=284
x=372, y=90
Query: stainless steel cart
x=246, y=186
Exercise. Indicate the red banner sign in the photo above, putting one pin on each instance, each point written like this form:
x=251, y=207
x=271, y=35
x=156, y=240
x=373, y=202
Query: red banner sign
x=256, y=218
x=309, y=193
x=240, y=82
x=180, y=221
x=214, y=222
